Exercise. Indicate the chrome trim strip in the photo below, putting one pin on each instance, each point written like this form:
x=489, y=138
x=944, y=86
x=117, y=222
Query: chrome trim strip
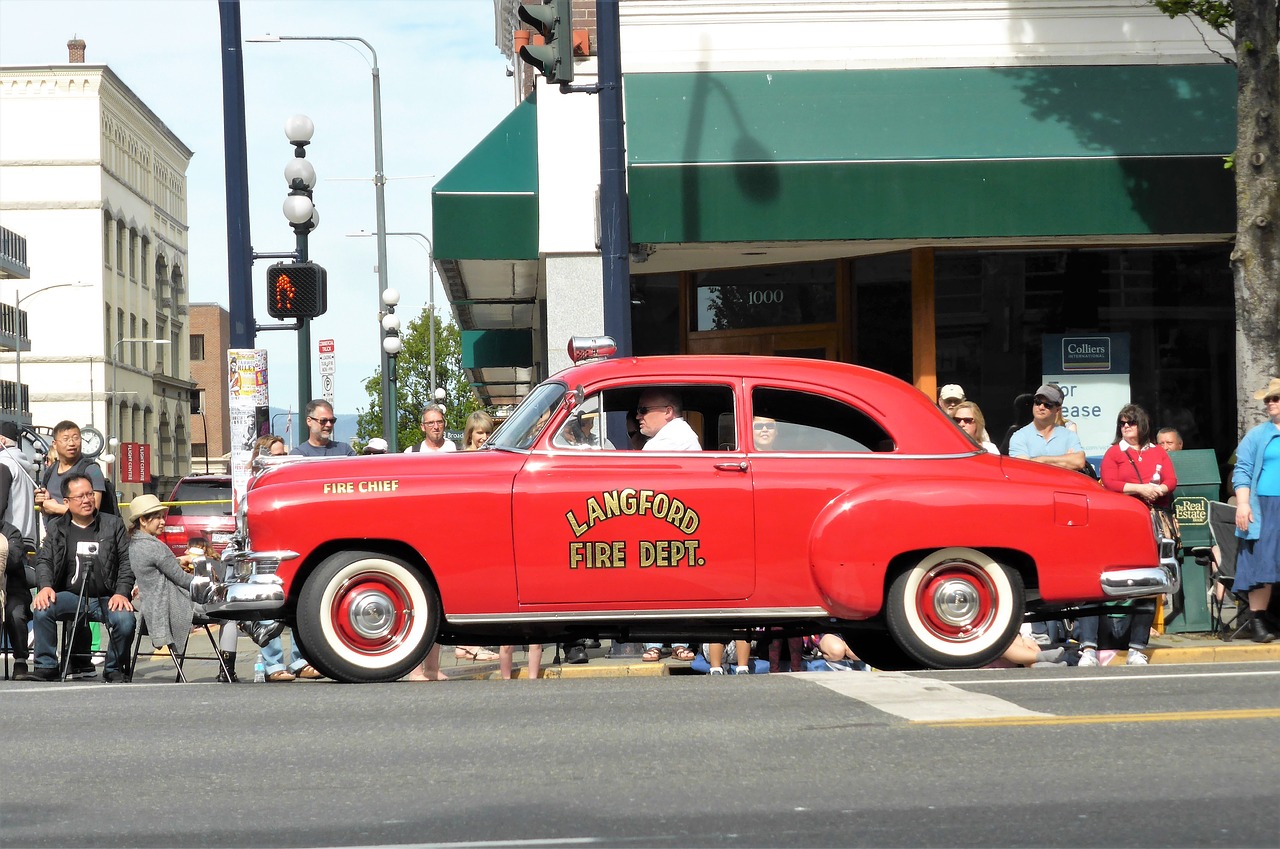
x=261, y=556
x=643, y=615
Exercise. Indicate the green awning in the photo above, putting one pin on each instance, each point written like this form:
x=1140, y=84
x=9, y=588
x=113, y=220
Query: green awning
x=930, y=153
x=483, y=349
x=486, y=207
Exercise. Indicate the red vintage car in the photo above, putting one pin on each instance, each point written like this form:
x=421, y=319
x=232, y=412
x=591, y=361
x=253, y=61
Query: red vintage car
x=869, y=513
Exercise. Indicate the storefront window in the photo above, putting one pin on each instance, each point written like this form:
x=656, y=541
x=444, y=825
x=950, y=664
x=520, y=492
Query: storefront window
x=770, y=296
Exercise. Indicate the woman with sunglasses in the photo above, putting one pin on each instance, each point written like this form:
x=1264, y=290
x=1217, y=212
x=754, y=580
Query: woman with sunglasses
x=1135, y=466
x=1256, y=481
x=972, y=422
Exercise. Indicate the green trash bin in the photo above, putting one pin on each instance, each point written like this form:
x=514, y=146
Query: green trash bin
x=1198, y=484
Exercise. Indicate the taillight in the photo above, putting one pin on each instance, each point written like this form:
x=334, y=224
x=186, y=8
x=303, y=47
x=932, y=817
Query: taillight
x=175, y=536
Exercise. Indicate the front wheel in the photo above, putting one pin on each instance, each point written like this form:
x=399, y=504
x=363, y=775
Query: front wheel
x=366, y=617
x=955, y=609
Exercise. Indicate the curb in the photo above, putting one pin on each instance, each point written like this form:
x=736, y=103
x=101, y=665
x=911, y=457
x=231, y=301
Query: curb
x=1225, y=653
x=596, y=669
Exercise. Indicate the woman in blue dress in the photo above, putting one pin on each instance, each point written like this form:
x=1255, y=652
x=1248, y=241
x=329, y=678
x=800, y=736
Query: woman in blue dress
x=1257, y=484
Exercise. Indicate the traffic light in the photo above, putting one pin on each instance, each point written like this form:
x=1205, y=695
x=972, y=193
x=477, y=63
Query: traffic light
x=297, y=290
x=552, y=20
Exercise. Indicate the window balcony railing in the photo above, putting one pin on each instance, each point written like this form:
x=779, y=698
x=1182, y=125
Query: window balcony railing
x=13, y=328
x=13, y=255
x=9, y=400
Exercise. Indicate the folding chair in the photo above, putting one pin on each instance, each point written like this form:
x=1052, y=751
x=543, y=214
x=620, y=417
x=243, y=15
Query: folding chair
x=1222, y=528
x=178, y=658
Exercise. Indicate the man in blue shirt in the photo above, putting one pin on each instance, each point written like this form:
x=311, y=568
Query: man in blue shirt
x=1042, y=441
x=320, y=443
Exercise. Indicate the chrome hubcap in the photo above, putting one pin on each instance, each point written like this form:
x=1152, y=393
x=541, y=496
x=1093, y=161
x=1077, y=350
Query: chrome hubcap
x=956, y=603
x=372, y=614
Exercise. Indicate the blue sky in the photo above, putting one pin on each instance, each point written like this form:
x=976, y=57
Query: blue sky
x=443, y=89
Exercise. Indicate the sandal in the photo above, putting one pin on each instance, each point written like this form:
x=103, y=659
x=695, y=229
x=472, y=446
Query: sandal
x=682, y=653
x=652, y=655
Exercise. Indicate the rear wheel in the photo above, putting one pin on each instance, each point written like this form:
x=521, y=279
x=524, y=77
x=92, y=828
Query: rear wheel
x=955, y=609
x=366, y=617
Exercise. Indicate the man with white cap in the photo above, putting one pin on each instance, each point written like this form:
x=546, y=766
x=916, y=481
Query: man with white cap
x=949, y=397
x=1042, y=441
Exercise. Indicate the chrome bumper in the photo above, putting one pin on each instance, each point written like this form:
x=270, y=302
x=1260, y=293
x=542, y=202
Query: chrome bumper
x=1147, y=580
x=247, y=587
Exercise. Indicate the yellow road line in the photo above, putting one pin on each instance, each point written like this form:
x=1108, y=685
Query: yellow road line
x=1108, y=718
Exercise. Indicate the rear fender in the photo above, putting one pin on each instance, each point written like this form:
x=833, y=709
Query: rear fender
x=1061, y=541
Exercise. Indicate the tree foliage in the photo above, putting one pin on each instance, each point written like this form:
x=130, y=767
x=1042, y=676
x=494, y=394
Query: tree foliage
x=413, y=384
x=1253, y=29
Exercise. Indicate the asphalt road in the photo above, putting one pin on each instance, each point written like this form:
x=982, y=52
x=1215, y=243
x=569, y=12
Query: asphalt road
x=1160, y=756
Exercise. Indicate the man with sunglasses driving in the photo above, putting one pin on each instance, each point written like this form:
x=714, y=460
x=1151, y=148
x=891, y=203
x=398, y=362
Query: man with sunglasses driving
x=1042, y=441
x=320, y=443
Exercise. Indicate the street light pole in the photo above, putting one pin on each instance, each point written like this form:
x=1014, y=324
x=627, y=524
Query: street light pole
x=113, y=415
x=17, y=324
x=379, y=187
x=431, y=290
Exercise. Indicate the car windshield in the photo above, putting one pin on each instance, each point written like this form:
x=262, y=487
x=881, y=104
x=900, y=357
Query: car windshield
x=522, y=428
x=202, y=498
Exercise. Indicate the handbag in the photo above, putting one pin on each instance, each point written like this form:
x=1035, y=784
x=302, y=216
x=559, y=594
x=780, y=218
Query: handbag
x=1165, y=518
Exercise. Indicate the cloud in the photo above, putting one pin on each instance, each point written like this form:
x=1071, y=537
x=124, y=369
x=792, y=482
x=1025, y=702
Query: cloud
x=443, y=89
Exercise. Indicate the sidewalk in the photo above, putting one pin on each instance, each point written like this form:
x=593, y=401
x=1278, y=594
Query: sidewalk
x=1165, y=649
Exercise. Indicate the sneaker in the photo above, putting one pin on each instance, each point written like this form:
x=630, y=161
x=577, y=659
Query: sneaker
x=742, y=670
x=19, y=669
x=716, y=670
x=1136, y=658
x=1088, y=657
x=115, y=678
x=41, y=673
x=83, y=672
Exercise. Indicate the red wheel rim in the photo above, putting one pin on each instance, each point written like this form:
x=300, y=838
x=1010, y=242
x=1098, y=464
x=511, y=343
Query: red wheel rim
x=371, y=613
x=956, y=601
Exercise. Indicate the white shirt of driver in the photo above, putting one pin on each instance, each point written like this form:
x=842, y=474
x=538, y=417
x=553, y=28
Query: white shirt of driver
x=424, y=447
x=676, y=435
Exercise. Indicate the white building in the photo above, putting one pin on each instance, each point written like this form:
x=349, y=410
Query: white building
x=96, y=183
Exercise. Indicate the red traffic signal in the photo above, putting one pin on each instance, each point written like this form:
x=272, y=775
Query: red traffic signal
x=297, y=290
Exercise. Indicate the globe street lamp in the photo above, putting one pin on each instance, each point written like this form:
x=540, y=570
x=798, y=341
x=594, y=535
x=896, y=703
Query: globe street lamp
x=379, y=185
x=431, y=288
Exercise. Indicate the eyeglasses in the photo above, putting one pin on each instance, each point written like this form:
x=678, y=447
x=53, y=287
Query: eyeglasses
x=87, y=496
x=1127, y=423
x=1271, y=399
x=644, y=411
x=764, y=425
x=965, y=419
x=434, y=423
x=323, y=421
x=1043, y=402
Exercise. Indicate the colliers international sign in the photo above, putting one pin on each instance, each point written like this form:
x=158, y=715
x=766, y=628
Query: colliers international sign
x=1093, y=372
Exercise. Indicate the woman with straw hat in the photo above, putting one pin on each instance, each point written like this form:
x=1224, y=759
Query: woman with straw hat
x=163, y=582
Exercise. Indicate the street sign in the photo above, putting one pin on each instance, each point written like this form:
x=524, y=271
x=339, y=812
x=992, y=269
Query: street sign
x=328, y=365
x=326, y=346
x=326, y=388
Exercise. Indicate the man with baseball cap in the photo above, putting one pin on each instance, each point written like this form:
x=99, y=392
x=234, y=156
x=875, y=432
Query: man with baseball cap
x=1044, y=442
x=949, y=397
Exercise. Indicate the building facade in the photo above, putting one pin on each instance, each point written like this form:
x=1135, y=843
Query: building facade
x=210, y=331
x=937, y=189
x=97, y=184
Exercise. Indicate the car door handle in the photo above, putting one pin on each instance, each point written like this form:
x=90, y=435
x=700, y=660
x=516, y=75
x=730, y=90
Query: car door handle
x=740, y=466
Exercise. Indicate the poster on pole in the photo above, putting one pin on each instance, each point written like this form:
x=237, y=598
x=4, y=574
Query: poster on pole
x=247, y=406
x=1093, y=371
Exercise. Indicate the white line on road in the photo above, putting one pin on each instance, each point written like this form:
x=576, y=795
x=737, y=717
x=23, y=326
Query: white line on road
x=1148, y=674
x=917, y=699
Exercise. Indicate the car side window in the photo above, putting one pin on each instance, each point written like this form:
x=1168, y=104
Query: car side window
x=707, y=409
x=584, y=429
x=789, y=420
